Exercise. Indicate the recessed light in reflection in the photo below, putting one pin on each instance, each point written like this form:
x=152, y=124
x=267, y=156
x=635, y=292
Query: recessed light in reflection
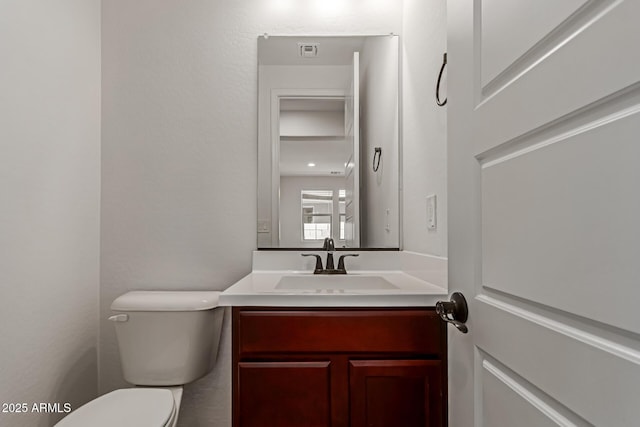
x=311, y=165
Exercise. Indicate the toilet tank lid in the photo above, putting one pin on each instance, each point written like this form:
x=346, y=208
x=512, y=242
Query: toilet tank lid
x=166, y=301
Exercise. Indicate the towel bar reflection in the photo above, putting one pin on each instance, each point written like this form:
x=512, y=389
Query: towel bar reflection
x=444, y=64
x=377, y=154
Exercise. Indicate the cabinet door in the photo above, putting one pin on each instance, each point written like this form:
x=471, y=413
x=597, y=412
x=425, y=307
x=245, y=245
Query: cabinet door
x=284, y=394
x=392, y=393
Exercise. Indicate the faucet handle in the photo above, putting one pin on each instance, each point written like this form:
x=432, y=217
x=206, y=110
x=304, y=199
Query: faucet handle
x=318, y=268
x=341, y=261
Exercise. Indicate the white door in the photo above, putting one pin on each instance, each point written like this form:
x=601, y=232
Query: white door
x=544, y=193
x=352, y=165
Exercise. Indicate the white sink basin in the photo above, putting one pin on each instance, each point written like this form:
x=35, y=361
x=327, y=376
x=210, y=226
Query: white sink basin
x=334, y=282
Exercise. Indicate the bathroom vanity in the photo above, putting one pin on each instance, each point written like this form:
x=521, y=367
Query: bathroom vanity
x=311, y=350
x=338, y=367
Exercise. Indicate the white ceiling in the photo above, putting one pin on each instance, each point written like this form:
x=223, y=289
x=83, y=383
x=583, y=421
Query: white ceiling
x=328, y=155
x=314, y=134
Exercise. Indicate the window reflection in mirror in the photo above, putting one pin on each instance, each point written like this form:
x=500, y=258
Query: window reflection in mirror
x=317, y=214
x=323, y=215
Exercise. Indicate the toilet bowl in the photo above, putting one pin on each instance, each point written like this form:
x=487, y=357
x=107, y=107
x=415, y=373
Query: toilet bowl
x=166, y=339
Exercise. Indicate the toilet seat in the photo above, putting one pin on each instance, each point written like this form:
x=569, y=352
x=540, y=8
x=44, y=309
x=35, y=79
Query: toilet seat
x=129, y=407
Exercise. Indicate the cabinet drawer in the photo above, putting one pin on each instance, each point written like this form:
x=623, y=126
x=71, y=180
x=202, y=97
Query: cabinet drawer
x=331, y=331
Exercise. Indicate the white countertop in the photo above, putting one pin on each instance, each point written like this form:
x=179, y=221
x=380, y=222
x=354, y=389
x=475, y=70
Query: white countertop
x=414, y=280
x=259, y=289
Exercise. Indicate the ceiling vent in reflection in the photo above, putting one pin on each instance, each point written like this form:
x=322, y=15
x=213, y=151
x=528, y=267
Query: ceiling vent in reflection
x=308, y=50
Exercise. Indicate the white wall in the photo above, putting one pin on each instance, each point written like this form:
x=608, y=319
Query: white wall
x=49, y=198
x=311, y=123
x=379, y=70
x=179, y=150
x=424, y=126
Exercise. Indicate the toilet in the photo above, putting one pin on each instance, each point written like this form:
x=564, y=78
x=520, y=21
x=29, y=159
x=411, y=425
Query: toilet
x=166, y=340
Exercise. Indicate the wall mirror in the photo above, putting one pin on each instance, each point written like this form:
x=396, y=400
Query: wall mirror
x=328, y=141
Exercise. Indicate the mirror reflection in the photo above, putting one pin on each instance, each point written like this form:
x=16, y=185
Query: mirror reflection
x=328, y=163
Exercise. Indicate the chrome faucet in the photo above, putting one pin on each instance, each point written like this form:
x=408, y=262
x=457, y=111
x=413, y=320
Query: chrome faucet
x=329, y=246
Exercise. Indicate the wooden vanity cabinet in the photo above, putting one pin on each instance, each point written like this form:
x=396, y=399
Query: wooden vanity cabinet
x=334, y=367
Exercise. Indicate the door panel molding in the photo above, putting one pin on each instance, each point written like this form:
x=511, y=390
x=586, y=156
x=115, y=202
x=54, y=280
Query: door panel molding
x=510, y=400
x=570, y=329
x=611, y=108
x=627, y=342
x=576, y=22
x=570, y=78
x=532, y=247
x=560, y=361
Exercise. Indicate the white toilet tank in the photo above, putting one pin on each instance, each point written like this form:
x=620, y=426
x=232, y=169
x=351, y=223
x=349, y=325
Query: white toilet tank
x=167, y=338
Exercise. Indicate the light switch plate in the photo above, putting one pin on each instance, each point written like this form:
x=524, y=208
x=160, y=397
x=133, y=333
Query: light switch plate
x=431, y=212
